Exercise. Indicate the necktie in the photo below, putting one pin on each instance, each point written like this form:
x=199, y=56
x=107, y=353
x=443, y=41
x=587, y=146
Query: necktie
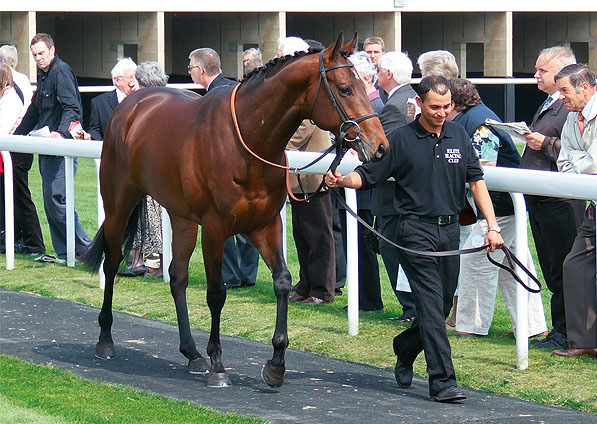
x=545, y=104
x=581, y=123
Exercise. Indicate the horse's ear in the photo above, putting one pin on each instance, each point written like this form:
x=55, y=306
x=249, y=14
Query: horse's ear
x=351, y=45
x=335, y=48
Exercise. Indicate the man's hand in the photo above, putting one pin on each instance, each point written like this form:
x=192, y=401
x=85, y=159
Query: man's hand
x=55, y=134
x=333, y=180
x=495, y=240
x=535, y=140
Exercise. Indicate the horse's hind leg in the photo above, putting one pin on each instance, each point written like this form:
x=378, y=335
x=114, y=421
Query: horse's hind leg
x=113, y=234
x=184, y=238
x=269, y=243
x=212, y=242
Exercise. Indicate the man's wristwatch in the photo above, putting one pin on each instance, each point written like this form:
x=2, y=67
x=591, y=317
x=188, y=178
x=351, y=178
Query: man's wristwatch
x=495, y=228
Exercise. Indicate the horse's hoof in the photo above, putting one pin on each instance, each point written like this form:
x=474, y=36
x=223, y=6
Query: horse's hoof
x=198, y=366
x=272, y=375
x=218, y=379
x=105, y=351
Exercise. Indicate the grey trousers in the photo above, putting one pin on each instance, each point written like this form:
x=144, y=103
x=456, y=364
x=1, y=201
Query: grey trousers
x=52, y=171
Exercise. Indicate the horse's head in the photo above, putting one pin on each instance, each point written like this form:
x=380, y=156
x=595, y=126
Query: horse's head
x=340, y=104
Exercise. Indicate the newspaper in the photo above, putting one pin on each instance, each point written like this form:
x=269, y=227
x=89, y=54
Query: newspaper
x=516, y=130
x=42, y=132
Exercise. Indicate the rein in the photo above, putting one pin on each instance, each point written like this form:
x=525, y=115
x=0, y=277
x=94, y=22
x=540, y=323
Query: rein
x=511, y=258
x=339, y=144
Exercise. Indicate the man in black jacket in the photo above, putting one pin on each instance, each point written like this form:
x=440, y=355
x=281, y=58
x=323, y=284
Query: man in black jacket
x=55, y=104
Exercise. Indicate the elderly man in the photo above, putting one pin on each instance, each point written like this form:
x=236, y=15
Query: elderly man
x=206, y=70
x=251, y=59
x=578, y=87
x=552, y=220
x=102, y=106
x=431, y=160
x=394, y=74
x=55, y=104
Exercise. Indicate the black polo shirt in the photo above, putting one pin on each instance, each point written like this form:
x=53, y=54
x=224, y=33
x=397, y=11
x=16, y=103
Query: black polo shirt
x=430, y=171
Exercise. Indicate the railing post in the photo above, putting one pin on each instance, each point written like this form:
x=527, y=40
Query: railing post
x=352, y=263
x=69, y=175
x=522, y=295
x=283, y=212
x=100, y=219
x=166, y=244
x=9, y=216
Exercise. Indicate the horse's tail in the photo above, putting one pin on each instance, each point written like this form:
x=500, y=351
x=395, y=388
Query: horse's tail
x=94, y=256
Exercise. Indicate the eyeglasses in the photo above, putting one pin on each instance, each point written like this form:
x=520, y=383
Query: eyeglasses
x=190, y=67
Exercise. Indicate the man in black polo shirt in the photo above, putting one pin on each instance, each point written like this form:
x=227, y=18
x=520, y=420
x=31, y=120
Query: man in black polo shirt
x=431, y=160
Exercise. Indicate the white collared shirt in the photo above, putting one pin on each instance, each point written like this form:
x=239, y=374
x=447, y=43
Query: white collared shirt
x=120, y=95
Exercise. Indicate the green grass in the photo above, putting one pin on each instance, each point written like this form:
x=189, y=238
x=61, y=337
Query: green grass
x=486, y=363
x=42, y=394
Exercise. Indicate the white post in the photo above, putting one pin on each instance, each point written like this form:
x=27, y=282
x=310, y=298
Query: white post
x=70, y=210
x=9, y=224
x=522, y=295
x=100, y=220
x=352, y=263
x=283, y=212
x=166, y=244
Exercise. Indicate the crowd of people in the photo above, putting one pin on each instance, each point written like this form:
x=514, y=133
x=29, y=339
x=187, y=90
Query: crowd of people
x=438, y=138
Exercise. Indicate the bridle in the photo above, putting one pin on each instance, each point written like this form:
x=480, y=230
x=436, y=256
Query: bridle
x=347, y=123
x=340, y=141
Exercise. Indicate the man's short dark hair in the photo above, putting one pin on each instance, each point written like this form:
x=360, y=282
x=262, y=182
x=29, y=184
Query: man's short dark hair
x=437, y=84
x=464, y=94
x=577, y=73
x=42, y=36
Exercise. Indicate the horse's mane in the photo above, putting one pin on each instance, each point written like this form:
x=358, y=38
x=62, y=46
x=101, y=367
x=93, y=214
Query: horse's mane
x=276, y=64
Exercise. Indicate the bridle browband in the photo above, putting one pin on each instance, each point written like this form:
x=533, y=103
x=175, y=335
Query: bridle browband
x=340, y=141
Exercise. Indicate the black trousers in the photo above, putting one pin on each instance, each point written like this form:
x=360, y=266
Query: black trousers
x=369, y=285
x=386, y=225
x=554, y=230
x=580, y=294
x=240, y=261
x=26, y=221
x=433, y=283
x=312, y=231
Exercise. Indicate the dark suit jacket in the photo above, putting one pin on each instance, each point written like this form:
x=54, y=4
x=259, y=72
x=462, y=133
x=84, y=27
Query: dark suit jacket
x=220, y=81
x=549, y=123
x=102, y=107
x=393, y=115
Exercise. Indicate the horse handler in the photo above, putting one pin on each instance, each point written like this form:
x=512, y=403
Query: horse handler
x=431, y=160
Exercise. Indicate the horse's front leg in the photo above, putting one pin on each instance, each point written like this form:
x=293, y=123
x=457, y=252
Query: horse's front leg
x=213, y=251
x=269, y=243
x=184, y=238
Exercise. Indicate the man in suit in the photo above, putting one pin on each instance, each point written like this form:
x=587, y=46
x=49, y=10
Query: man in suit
x=102, y=106
x=375, y=48
x=552, y=220
x=241, y=258
x=578, y=90
x=394, y=74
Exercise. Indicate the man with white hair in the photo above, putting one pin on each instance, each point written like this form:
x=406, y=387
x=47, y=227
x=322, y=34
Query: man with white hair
x=252, y=58
x=438, y=62
x=394, y=74
x=102, y=106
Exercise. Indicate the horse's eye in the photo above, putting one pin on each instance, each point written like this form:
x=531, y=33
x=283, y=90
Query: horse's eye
x=345, y=90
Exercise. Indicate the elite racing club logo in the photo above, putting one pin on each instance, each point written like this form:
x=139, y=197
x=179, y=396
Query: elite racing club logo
x=453, y=155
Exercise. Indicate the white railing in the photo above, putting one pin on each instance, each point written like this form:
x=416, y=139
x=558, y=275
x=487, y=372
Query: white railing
x=515, y=181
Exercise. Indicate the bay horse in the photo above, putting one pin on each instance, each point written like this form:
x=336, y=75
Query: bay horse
x=185, y=151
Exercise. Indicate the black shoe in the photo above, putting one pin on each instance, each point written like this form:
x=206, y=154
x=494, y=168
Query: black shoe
x=134, y=272
x=247, y=284
x=403, y=374
x=233, y=286
x=449, y=394
x=554, y=340
x=338, y=291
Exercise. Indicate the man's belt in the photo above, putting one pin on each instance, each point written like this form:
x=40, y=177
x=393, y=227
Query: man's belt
x=438, y=220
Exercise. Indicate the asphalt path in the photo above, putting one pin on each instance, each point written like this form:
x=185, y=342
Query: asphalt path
x=317, y=389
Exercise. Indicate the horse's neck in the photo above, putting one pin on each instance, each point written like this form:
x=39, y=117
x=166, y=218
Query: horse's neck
x=274, y=107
